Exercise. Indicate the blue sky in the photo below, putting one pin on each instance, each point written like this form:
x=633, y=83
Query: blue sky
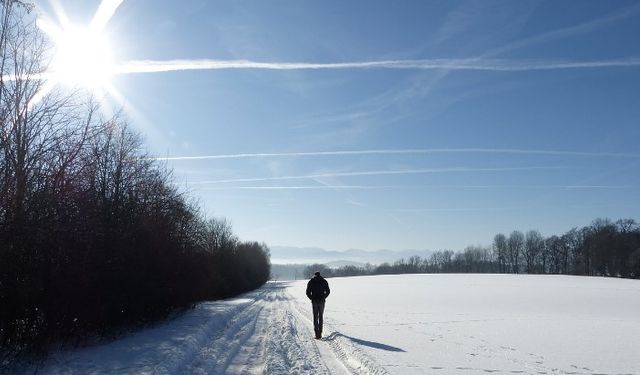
x=506, y=132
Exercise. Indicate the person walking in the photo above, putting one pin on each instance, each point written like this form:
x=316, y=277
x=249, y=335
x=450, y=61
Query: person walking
x=318, y=291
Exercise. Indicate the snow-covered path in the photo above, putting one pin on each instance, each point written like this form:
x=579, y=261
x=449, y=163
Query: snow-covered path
x=404, y=324
x=262, y=332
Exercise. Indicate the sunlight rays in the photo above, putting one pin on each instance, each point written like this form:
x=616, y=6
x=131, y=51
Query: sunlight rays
x=105, y=11
x=82, y=54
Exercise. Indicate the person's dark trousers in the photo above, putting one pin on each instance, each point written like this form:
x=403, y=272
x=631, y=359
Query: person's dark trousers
x=318, y=310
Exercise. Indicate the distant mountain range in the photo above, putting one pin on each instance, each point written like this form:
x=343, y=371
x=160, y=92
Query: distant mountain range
x=309, y=255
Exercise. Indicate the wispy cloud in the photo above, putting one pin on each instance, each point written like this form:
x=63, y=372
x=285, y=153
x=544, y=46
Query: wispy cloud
x=578, y=29
x=406, y=151
x=468, y=17
x=155, y=66
x=423, y=85
x=379, y=173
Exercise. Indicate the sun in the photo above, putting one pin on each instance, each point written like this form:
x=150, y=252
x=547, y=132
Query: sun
x=82, y=56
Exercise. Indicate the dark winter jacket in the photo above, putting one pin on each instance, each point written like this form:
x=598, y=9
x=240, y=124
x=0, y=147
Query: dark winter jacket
x=318, y=289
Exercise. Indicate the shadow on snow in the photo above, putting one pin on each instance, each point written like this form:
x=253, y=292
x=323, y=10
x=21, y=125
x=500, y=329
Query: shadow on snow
x=371, y=344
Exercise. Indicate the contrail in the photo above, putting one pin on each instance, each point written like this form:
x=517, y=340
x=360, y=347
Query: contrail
x=405, y=151
x=391, y=187
x=500, y=65
x=375, y=173
x=473, y=64
x=472, y=209
x=318, y=187
x=419, y=210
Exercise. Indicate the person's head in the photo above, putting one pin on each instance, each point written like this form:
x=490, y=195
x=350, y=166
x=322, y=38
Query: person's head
x=317, y=273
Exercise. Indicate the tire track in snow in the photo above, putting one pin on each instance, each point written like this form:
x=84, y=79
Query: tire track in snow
x=274, y=336
x=279, y=345
x=216, y=358
x=264, y=337
x=228, y=326
x=352, y=359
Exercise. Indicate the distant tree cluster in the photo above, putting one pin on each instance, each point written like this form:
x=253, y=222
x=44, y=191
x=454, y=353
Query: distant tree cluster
x=93, y=233
x=604, y=248
x=324, y=270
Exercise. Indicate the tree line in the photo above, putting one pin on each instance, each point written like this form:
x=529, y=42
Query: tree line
x=95, y=236
x=603, y=248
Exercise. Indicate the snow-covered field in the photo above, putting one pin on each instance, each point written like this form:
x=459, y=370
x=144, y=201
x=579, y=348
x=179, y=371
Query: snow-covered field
x=404, y=324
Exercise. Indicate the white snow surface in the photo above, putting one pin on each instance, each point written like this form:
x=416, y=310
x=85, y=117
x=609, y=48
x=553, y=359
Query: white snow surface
x=401, y=324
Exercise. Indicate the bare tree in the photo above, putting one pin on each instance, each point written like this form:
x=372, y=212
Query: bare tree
x=515, y=245
x=532, y=250
x=500, y=250
x=219, y=235
x=627, y=225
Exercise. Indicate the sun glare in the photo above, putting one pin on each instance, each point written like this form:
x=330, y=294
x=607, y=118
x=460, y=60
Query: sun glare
x=82, y=57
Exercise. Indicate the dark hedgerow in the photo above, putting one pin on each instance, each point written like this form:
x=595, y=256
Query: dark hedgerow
x=94, y=235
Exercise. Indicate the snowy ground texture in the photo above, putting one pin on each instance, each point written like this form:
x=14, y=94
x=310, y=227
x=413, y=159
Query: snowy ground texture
x=404, y=324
